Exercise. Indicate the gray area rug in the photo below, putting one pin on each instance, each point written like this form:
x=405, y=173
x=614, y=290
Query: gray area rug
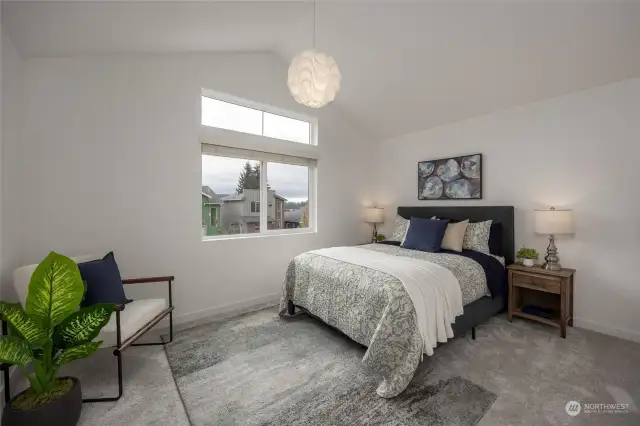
x=258, y=369
x=532, y=370
x=150, y=396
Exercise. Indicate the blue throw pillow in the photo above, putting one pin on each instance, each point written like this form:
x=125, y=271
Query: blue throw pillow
x=103, y=280
x=425, y=234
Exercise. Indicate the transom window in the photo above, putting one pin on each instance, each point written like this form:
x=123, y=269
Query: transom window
x=230, y=116
x=256, y=156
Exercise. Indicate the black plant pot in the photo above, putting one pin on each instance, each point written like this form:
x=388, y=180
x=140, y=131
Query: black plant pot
x=62, y=411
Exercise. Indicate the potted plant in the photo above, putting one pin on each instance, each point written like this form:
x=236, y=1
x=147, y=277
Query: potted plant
x=527, y=255
x=380, y=237
x=49, y=332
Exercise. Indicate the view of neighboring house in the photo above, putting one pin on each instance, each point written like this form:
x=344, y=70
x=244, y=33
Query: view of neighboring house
x=239, y=213
x=211, y=211
x=298, y=218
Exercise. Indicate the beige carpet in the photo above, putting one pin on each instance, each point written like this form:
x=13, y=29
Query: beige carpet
x=532, y=370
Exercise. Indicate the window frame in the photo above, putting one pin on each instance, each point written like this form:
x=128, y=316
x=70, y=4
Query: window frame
x=264, y=213
x=266, y=150
x=224, y=97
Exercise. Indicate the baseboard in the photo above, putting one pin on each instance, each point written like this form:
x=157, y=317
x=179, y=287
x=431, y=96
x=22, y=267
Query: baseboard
x=606, y=329
x=225, y=311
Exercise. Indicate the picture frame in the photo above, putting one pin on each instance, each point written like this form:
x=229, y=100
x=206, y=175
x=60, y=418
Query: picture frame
x=451, y=178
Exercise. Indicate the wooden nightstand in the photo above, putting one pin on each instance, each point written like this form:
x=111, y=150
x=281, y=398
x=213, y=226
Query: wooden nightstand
x=549, y=290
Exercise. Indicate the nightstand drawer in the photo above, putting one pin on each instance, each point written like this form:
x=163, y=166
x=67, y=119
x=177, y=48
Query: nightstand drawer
x=537, y=283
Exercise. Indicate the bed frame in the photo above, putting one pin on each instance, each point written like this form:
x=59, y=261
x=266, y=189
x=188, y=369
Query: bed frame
x=503, y=214
x=481, y=310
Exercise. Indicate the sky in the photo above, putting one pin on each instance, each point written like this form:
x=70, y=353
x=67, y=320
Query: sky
x=221, y=174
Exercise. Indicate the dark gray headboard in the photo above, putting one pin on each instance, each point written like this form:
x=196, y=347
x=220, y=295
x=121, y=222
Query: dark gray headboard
x=503, y=214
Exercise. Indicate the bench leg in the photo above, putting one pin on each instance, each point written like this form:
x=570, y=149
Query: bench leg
x=291, y=308
x=473, y=333
x=118, y=355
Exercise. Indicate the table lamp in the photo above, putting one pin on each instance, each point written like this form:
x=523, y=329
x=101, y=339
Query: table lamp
x=374, y=216
x=553, y=222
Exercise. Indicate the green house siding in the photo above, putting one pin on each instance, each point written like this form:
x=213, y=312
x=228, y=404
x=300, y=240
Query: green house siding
x=210, y=217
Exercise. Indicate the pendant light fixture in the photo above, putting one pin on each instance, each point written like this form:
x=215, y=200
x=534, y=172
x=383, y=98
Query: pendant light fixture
x=314, y=77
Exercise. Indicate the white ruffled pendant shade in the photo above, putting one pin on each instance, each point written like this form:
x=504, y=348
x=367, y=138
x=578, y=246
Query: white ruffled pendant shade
x=313, y=78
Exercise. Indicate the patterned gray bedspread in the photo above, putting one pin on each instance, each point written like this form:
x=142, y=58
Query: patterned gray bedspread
x=372, y=307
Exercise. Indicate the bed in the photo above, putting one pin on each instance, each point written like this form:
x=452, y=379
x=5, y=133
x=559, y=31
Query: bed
x=374, y=309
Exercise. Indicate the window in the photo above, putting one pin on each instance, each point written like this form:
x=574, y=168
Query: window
x=288, y=129
x=231, y=116
x=239, y=183
x=294, y=181
x=242, y=173
x=214, y=217
x=222, y=178
x=225, y=115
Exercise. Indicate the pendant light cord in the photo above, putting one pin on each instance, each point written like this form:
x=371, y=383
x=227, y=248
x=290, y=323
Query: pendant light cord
x=314, y=24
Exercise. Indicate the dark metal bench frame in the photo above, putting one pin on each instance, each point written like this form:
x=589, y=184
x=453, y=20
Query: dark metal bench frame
x=120, y=345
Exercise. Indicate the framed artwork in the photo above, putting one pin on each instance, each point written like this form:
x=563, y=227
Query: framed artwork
x=456, y=178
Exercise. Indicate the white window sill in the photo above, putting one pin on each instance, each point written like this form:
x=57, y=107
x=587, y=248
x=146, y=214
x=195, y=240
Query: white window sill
x=272, y=233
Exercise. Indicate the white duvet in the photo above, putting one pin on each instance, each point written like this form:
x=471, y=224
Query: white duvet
x=433, y=289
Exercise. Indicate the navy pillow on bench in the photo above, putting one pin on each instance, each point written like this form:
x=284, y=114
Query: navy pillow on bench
x=425, y=234
x=104, y=283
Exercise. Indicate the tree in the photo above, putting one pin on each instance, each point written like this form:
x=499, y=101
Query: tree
x=249, y=178
x=245, y=175
x=304, y=217
x=294, y=205
x=256, y=172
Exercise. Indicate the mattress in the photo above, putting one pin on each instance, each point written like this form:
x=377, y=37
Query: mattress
x=374, y=309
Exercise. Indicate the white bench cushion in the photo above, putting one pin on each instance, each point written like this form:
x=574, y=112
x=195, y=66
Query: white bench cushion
x=134, y=316
x=22, y=276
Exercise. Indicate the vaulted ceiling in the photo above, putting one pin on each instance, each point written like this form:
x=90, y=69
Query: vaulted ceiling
x=406, y=66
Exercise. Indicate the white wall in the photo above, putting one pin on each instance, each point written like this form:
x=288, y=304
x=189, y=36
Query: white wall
x=112, y=161
x=579, y=151
x=12, y=97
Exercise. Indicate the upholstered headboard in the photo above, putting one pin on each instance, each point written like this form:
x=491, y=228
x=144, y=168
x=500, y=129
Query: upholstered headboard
x=503, y=214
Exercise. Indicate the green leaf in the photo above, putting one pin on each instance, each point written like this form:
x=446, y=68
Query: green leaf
x=84, y=325
x=77, y=352
x=55, y=290
x=17, y=317
x=14, y=350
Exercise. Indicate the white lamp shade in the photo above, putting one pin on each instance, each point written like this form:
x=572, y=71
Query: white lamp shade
x=553, y=222
x=314, y=78
x=374, y=215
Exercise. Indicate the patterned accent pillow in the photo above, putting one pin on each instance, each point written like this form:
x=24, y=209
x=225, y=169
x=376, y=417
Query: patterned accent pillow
x=476, y=237
x=400, y=226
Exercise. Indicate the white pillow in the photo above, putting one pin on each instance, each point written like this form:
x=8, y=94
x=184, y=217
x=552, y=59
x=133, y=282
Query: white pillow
x=400, y=228
x=477, y=237
x=454, y=236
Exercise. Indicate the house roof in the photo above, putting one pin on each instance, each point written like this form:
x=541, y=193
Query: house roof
x=233, y=197
x=210, y=193
x=293, y=216
x=240, y=197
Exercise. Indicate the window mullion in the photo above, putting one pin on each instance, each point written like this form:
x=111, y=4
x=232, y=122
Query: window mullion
x=264, y=197
x=311, y=200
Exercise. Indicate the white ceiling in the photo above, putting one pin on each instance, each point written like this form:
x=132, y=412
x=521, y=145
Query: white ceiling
x=406, y=66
